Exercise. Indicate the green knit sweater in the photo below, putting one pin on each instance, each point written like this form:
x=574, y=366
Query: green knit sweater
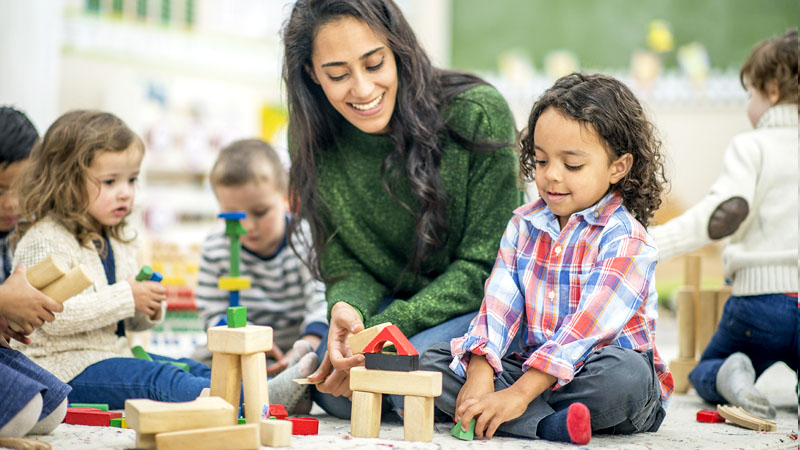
x=374, y=234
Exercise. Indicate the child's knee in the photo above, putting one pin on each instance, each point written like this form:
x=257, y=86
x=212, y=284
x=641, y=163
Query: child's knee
x=436, y=357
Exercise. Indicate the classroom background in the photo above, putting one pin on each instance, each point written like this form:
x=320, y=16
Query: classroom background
x=191, y=76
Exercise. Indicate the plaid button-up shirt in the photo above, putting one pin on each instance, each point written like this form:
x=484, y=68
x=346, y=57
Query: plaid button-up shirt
x=570, y=292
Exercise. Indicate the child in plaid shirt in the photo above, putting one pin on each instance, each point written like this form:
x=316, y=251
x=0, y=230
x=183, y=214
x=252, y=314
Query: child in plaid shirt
x=574, y=277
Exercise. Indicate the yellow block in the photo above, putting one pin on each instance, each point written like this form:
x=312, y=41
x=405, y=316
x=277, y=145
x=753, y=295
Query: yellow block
x=233, y=283
x=175, y=280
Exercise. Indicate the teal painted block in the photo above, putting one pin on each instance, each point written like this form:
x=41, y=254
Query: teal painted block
x=464, y=435
x=144, y=273
x=237, y=317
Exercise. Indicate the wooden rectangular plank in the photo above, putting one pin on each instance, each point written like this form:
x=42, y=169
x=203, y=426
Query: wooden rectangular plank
x=150, y=416
x=240, y=341
x=237, y=436
x=419, y=382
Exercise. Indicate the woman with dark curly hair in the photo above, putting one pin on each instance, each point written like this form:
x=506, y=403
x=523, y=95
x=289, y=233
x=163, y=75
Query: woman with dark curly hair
x=405, y=173
x=574, y=276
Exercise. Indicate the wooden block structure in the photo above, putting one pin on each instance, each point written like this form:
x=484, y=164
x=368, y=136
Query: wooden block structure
x=699, y=312
x=24, y=444
x=740, y=417
x=54, y=278
x=238, y=356
x=149, y=418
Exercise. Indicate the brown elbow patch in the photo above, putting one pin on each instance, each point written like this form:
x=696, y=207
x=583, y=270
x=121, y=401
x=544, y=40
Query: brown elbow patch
x=725, y=220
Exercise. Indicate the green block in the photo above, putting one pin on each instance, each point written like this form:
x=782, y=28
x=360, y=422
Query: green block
x=144, y=273
x=464, y=435
x=116, y=422
x=242, y=421
x=237, y=316
x=139, y=353
x=100, y=406
x=235, y=255
x=233, y=228
x=180, y=365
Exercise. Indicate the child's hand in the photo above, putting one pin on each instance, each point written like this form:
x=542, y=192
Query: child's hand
x=147, y=295
x=7, y=333
x=25, y=305
x=492, y=410
x=480, y=382
x=281, y=362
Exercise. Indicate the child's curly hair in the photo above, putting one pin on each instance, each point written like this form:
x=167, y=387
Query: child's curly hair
x=609, y=108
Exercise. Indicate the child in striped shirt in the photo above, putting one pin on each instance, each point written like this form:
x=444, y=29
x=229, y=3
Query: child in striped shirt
x=248, y=176
x=574, y=278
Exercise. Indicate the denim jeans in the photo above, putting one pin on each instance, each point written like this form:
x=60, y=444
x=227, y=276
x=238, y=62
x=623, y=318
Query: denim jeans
x=340, y=406
x=764, y=327
x=618, y=385
x=115, y=380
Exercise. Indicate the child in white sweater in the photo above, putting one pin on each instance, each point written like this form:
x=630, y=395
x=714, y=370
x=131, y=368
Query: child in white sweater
x=76, y=193
x=754, y=202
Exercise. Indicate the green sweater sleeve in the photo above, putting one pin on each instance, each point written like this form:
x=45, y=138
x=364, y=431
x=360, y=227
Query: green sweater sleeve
x=492, y=195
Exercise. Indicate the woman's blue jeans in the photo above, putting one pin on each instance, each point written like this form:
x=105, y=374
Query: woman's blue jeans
x=764, y=327
x=115, y=380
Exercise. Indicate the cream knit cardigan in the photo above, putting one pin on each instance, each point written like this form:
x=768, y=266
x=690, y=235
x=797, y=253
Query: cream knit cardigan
x=760, y=166
x=84, y=333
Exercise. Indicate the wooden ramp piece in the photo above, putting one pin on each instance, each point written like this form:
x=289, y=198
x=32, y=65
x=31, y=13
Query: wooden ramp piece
x=358, y=341
x=744, y=419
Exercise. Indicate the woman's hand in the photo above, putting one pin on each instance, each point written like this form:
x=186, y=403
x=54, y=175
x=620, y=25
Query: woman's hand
x=24, y=305
x=334, y=371
x=147, y=295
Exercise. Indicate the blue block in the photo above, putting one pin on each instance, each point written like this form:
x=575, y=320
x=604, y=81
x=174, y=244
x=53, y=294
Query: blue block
x=233, y=298
x=233, y=215
x=156, y=276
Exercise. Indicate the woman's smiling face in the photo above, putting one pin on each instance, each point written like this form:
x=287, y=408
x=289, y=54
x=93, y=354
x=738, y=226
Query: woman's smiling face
x=357, y=71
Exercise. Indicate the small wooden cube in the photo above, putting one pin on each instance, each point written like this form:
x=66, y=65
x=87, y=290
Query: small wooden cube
x=276, y=433
x=237, y=316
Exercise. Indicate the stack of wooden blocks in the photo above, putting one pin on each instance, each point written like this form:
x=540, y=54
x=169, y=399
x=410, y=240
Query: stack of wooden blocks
x=699, y=312
x=394, y=374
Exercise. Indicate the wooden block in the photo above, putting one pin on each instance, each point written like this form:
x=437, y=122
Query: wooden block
x=365, y=414
x=236, y=436
x=418, y=418
x=98, y=406
x=206, y=392
x=145, y=440
x=46, y=271
x=358, y=341
x=144, y=273
x=226, y=377
x=240, y=341
x=468, y=435
x=306, y=381
x=391, y=334
x=691, y=271
x=254, y=377
x=744, y=419
x=391, y=361
x=89, y=416
x=24, y=444
x=680, y=369
x=276, y=433
x=236, y=316
x=233, y=283
x=278, y=411
x=304, y=425
x=705, y=320
x=419, y=382
x=150, y=416
x=684, y=302
x=722, y=298
x=71, y=284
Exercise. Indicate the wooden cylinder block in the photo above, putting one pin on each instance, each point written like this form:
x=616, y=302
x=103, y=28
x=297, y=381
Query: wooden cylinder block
x=365, y=416
x=684, y=301
x=705, y=320
x=46, y=271
x=69, y=285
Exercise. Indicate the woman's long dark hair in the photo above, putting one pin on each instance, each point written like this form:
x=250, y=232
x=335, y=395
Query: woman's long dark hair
x=416, y=125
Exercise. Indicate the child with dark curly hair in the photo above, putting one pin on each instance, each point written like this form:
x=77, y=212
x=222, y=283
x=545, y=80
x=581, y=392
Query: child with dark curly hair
x=574, y=276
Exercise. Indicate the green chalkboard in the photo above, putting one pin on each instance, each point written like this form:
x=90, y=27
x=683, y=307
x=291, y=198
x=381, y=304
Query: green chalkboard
x=604, y=33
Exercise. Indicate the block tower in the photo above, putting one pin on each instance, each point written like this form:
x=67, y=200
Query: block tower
x=234, y=283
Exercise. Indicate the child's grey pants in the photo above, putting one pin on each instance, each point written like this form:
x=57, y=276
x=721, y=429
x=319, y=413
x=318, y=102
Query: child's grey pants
x=619, y=386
